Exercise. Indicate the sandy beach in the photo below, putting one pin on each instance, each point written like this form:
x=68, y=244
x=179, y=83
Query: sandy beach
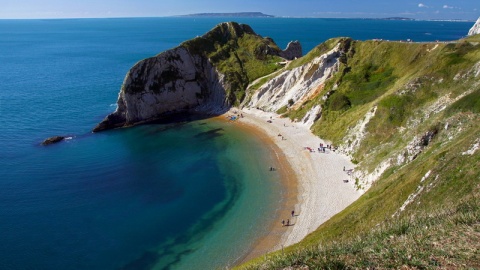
x=319, y=190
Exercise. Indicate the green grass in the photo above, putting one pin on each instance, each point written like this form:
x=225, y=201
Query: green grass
x=372, y=71
x=282, y=110
x=338, y=102
x=367, y=83
x=450, y=238
x=469, y=103
x=319, y=50
x=239, y=54
x=412, y=85
x=365, y=232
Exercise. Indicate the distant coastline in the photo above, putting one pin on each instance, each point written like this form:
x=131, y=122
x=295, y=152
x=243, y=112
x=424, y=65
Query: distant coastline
x=234, y=14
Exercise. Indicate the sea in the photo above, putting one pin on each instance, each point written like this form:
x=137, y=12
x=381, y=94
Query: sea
x=185, y=195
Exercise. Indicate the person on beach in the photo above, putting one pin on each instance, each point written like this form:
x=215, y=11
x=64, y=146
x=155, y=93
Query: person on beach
x=288, y=222
x=293, y=213
x=283, y=222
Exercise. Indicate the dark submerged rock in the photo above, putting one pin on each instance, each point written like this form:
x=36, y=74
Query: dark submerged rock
x=52, y=140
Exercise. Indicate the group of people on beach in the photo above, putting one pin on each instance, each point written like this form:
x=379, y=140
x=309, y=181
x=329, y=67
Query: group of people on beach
x=235, y=116
x=323, y=148
x=288, y=220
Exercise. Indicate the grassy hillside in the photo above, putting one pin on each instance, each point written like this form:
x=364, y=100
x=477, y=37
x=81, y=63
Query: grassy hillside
x=238, y=53
x=423, y=210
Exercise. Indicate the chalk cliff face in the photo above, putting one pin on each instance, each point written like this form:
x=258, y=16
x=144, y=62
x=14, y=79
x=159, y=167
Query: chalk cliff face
x=203, y=75
x=298, y=85
x=174, y=81
x=352, y=92
x=475, y=28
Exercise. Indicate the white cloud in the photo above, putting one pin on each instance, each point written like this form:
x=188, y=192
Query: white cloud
x=421, y=5
x=450, y=7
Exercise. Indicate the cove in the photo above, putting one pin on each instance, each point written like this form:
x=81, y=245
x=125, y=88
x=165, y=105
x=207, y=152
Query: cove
x=152, y=196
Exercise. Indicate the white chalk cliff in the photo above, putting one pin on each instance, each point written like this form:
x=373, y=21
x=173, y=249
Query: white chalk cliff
x=298, y=85
x=475, y=28
x=184, y=79
x=173, y=81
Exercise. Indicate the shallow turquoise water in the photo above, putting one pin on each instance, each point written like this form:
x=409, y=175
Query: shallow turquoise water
x=161, y=196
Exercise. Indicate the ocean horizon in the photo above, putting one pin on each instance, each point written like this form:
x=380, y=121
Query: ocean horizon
x=246, y=17
x=152, y=196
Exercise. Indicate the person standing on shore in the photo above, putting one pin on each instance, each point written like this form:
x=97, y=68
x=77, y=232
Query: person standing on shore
x=283, y=222
x=293, y=213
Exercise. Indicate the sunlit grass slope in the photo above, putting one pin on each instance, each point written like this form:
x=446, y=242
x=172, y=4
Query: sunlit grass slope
x=238, y=53
x=423, y=211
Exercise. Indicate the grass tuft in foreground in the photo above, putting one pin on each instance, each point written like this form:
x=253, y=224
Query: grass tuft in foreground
x=449, y=238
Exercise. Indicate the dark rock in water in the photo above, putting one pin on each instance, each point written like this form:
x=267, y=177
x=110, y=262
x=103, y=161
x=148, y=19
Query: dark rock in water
x=113, y=120
x=54, y=139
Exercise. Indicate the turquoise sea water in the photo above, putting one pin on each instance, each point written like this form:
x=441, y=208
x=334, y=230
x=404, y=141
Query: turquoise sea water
x=161, y=196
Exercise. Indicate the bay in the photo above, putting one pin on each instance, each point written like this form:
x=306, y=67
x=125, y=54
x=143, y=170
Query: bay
x=161, y=196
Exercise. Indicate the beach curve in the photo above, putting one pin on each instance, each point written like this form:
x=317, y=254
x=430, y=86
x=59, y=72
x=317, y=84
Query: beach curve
x=321, y=178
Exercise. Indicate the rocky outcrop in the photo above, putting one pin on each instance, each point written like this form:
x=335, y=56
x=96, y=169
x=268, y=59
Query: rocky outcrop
x=172, y=82
x=356, y=134
x=293, y=50
x=52, y=140
x=475, y=28
x=188, y=78
x=293, y=87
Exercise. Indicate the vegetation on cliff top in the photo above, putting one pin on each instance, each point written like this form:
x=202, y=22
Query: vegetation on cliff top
x=423, y=210
x=238, y=53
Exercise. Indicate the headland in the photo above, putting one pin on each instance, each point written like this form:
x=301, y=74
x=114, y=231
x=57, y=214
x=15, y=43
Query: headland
x=231, y=14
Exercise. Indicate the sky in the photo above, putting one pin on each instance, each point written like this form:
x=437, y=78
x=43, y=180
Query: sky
x=420, y=9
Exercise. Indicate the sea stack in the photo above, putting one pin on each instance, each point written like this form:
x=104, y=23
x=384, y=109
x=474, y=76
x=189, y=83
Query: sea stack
x=205, y=75
x=475, y=28
x=293, y=50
